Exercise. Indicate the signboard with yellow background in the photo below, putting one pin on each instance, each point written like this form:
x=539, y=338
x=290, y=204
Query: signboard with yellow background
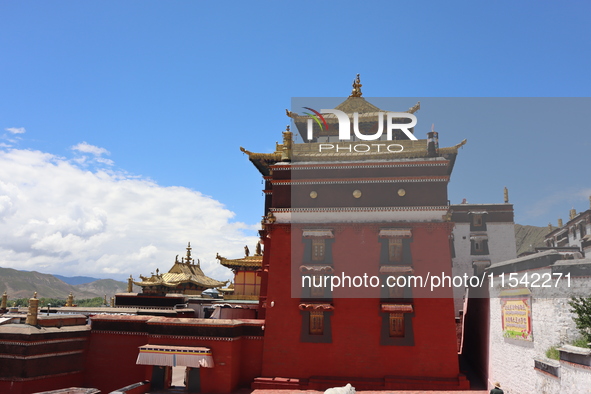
x=516, y=316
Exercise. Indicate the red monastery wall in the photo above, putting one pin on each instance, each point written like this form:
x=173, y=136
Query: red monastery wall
x=354, y=350
x=236, y=347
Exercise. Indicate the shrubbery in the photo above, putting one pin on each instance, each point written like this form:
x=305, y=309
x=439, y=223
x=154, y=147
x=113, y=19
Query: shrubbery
x=581, y=306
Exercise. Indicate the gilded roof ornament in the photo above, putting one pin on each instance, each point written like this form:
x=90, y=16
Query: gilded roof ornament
x=414, y=108
x=287, y=144
x=506, y=195
x=356, y=92
x=188, y=259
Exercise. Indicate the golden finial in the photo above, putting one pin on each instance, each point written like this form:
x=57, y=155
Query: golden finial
x=356, y=92
x=188, y=259
x=506, y=194
x=550, y=227
x=4, y=300
x=287, y=145
x=35, y=295
x=559, y=223
x=572, y=214
x=258, y=250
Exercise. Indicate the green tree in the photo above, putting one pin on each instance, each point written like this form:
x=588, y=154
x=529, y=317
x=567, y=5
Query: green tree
x=581, y=306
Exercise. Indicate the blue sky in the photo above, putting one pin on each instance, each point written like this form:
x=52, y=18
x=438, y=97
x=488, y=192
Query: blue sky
x=105, y=103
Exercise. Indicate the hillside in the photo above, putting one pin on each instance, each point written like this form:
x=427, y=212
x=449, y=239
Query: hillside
x=22, y=284
x=529, y=237
x=106, y=286
x=76, y=280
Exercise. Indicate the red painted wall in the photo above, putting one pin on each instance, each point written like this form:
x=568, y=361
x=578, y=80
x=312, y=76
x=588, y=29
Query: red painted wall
x=111, y=360
x=355, y=350
x=44, y=384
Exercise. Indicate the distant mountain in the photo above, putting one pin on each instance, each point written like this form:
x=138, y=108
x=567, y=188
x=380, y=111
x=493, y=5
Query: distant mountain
x=76, y=280
x=22, y=284
x=106, y=286
x=527, y=238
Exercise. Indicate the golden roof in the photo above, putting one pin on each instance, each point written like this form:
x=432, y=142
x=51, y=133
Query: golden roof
x=246, y=262
x=184, y=271
x=342, y=150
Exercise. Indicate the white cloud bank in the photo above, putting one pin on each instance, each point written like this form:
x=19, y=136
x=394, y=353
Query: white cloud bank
x=16, y=130
x=57, y=217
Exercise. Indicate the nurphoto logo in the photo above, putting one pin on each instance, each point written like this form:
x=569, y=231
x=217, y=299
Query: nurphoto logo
x=344, y=124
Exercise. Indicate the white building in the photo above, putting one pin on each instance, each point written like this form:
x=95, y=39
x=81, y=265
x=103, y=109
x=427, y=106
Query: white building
x=484, y=234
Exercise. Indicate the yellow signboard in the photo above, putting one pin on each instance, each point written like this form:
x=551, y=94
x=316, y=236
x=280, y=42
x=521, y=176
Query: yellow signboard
x=516, y=315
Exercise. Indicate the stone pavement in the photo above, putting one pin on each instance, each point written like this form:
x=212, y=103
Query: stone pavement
x=248, y=391
x=181, y=390
x=370, y=392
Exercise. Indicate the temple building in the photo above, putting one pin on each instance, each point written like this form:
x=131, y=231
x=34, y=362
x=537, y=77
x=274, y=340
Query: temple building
x=339, y=209
x=352, y=229
x=185, y=277
x=575, y=233
x=247, y=280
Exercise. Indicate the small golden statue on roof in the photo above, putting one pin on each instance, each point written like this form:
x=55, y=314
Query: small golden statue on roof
x=70, y=300
x=258, y=250
x=246, y=251
x=356, y=92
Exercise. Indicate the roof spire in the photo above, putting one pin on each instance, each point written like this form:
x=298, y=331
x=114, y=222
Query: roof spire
x=188, y=259
x=356, y=92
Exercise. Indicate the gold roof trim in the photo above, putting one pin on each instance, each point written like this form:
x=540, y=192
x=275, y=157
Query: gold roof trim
x=276, y=156
x=247, y=261
x=452, y=149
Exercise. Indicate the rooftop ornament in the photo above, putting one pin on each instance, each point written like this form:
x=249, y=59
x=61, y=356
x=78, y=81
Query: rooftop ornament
x=356, y=92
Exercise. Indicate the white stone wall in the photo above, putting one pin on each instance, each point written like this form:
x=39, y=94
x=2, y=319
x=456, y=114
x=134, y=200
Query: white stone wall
x=546, y=384
x=574, y=379
x=511, y=362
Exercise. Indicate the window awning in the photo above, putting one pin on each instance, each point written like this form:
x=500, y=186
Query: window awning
x=316, y=269
x=396, y=269
x=400, y=308
x=173, y=356
x=318, y=233
x=316, y=307
x=395, y=233
x=479, y=237
x=481, y=263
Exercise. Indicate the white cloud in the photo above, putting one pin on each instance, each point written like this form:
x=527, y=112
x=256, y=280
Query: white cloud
x=87, y=148
x=16, y=130
x=108, y=162
x=62, y=219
